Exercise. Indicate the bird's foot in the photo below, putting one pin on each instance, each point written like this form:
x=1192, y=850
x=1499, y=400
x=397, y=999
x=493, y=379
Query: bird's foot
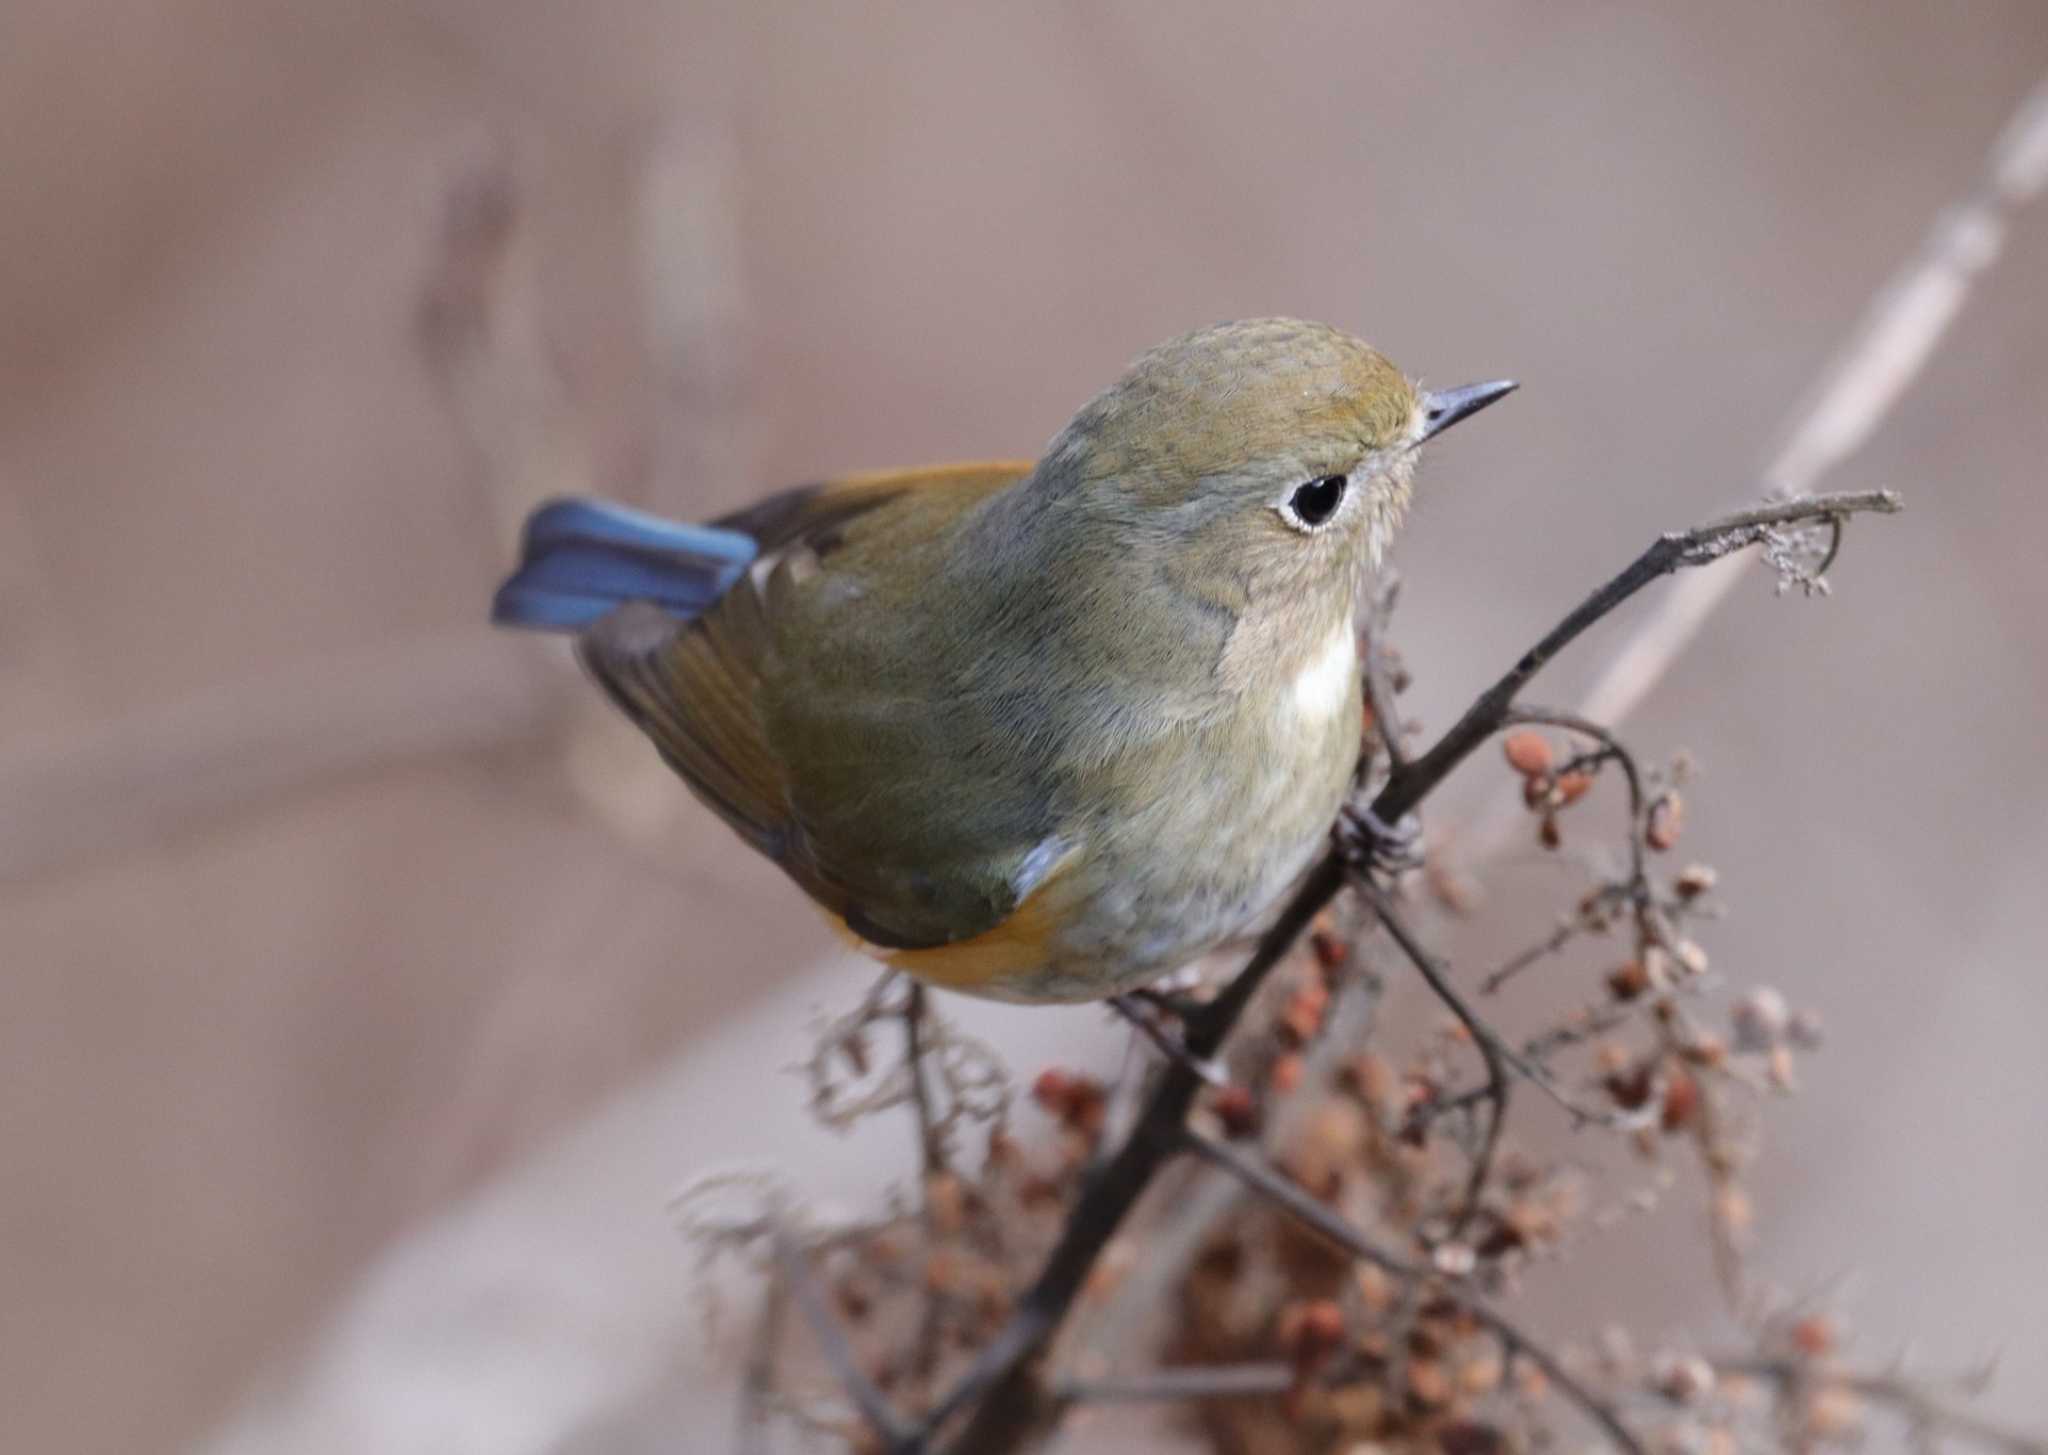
x=1148, y=1012
x=1377, y=846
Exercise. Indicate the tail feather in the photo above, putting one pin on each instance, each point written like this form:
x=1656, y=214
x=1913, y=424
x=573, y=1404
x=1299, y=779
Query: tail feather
x=582, y=558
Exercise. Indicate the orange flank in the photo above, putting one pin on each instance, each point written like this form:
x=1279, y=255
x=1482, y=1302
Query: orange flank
x=1017, y=947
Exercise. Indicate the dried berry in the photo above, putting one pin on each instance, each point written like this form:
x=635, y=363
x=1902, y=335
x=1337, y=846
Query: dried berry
x=1527, y=753
x=1237, y=1109
x=1454, y=1260
x=945, y=1201
x=1302, y=1016
x=1631, y=1089
x=1684, y=1378
x=1815, y=1336
x=1429, y=1383
x=1628, y=980
x=1667, y=817
x=1309, y=1330
x=1694, y=880
x=1681, y=1099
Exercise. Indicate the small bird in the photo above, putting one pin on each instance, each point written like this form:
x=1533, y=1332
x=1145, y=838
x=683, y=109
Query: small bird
x=1037, y=731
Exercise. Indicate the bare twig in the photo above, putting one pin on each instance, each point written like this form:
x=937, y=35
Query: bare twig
x=1521, y=960
x=1516, y=1343
x=1911, y=1399
x=931, y=1136
x=1696, y=547
x=832, y=1342
x=1492, y=1054
x=751, y=1438
x=932, y=1158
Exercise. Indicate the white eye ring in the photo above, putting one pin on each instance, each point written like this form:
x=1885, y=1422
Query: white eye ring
x=1315, y=503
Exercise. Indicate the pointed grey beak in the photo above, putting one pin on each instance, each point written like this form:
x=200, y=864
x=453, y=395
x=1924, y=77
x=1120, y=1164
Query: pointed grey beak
x=1442, y=408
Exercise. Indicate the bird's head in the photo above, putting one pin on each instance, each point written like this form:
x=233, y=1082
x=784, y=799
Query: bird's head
x=1256, y=461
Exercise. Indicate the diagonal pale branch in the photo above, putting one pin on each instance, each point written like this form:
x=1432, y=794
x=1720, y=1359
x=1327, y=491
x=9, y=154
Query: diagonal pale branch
x=1889, y=347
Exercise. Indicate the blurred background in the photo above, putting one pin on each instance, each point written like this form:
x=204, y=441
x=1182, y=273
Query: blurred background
x=367, y=988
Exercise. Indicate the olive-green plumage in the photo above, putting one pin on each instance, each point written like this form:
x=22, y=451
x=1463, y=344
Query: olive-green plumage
x=1049, y=731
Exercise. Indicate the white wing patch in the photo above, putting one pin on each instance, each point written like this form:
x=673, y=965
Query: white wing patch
x=1041, y=861
x=1322, y=688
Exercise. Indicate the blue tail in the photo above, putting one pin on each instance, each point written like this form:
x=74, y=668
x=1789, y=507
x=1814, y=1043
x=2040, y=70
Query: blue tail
x=581, y=558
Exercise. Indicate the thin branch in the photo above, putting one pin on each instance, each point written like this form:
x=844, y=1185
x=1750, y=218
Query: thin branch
x=832, y=1342
x=1189, y=1381
x=1910, y=1399
x=931, y=1148
x=1696, y=547
x=1497, y=1053
x=752, y=1436
x=1339, y=1231
x=1491, y=1053
x=1534, y=954
x=931, y=1136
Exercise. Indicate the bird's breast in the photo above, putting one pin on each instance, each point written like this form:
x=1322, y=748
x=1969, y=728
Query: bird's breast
x=1190, y=843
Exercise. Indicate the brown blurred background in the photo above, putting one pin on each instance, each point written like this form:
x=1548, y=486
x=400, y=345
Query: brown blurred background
x=327, y=909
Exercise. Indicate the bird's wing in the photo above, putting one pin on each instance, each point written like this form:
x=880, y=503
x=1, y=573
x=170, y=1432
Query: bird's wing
x=786, y=711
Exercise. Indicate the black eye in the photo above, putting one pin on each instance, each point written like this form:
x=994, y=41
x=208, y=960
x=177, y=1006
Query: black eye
x=1318, y=500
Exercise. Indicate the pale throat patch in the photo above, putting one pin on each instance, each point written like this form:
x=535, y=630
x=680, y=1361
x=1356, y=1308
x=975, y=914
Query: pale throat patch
x=1323, y=688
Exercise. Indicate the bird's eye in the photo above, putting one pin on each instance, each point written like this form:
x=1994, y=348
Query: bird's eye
x=1314, y=503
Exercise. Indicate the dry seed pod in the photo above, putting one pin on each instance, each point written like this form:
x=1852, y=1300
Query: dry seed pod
x=1694, y=880
x=1628, y=980
x=1815, y=1336
x=1684, y=1378
x=1681, y=1099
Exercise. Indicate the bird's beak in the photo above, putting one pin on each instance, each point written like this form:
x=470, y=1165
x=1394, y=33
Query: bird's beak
x=1442, y=408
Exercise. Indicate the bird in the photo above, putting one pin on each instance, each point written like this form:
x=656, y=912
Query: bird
x=1043, y=731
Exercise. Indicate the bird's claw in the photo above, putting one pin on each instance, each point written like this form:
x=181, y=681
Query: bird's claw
x=1380, y=847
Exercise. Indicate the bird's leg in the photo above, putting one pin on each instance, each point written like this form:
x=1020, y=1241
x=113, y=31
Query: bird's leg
x=1373, y=844
x=1145, y=1010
